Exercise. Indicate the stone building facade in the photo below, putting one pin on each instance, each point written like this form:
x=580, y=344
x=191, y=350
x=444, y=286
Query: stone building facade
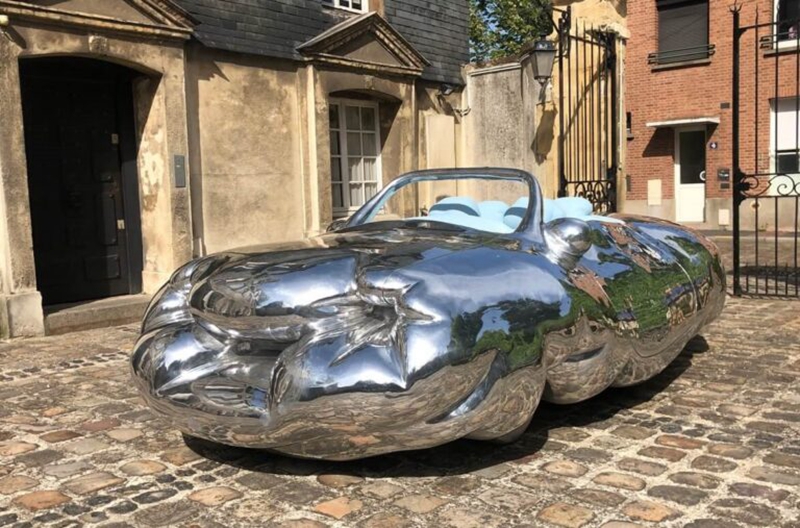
x=136, y=134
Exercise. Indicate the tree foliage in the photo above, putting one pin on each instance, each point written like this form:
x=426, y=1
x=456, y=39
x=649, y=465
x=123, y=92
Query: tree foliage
x=500, y=28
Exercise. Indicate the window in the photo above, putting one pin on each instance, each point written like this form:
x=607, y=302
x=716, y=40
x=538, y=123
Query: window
x=787, y=19
x=355, y=154
x=785, y=144
x=359, y=6
x=788, y=162
x=629, y=124
x=682, y=31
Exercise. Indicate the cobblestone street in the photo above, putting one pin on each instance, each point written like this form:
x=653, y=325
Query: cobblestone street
x=713, y=441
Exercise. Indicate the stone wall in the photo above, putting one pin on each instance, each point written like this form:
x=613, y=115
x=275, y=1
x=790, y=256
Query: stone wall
x=245, y=150
x=513, y=124
x=505, y=113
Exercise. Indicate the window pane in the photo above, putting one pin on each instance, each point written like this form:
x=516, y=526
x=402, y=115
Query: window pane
x=335, y=146
x=344, y=3
x=334, y=115
x=370, y=145
x=788, y=13
x=372, y=190
x=336, y=169
x=353, y=144
x=692, y=147
x=354, y=168
x=370, y=170
x=785, y=124
x=368, y=118
x=788, y=162
x=353, y=118
x=338, y=197
x=356, y=195
x=357, y=4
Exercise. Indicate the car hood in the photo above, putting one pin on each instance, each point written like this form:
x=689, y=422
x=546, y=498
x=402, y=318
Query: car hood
x=272, y=291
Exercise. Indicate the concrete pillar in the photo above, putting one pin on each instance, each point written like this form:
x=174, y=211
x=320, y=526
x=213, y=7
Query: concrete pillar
x=160, y=105
x=20, y=303
x=314, y=201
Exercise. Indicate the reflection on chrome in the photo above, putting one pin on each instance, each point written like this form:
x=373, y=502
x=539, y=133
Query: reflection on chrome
x=404, y=334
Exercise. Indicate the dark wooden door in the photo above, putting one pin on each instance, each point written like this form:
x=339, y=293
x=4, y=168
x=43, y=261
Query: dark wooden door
x=75, y=121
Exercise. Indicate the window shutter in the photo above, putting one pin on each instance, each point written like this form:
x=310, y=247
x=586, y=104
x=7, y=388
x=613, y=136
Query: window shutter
x=682, y=25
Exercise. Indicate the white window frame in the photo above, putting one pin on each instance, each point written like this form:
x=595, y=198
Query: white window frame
x=788, y=44
x=338, y=5
x=774, y=111
x=348, y=209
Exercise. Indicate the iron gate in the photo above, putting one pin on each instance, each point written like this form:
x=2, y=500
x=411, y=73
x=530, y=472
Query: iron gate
x=588, y=145
x=766, y=155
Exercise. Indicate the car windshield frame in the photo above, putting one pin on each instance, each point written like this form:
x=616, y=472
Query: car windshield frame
x=530, y=228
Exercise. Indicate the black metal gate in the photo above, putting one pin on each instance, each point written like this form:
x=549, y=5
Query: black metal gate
x=588, y=83
x=766, y=155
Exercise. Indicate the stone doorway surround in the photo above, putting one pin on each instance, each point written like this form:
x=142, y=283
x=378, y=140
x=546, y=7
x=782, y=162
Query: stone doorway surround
x=365, y=58
x=149, y=38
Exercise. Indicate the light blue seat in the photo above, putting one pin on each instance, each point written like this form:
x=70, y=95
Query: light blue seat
x=466, y=212
x=551, y=210
x=459, y=204
x=495, y=216
x=582, y=209
x=466, y=220
x=493, y=210
x=574, y=207
x=516, y=213
x=567, y=207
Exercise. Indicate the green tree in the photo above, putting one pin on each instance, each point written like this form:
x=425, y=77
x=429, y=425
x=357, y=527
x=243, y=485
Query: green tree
x=500, y=28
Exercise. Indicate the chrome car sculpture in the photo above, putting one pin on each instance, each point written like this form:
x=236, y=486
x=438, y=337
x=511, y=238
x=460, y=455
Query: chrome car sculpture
x=396, y=335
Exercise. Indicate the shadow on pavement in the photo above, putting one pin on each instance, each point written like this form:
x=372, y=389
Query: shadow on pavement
x=462, y=456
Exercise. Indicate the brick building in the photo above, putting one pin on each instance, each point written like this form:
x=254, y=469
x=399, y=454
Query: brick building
x=679, y=105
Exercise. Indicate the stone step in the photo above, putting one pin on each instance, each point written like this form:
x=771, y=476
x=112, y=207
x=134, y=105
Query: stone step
x=102, y=313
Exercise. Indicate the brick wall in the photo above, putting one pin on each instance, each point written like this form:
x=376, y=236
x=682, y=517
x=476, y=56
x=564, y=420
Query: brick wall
x=655, y=94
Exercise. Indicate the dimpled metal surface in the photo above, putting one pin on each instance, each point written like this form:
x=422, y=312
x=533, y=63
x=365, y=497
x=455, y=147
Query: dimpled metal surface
x=392, y=336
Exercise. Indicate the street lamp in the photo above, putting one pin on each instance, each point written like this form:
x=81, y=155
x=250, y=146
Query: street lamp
x=544, y=56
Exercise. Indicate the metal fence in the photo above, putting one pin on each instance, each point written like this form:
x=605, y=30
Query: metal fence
x=766, y=155
x=588, y=113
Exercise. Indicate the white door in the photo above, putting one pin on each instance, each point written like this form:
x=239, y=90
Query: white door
x=690, y=175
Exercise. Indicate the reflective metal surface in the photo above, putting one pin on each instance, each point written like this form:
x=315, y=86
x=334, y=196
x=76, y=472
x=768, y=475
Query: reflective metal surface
x=403, y=335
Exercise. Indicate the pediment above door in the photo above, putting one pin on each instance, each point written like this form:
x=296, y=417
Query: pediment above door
x=366, y=42
x=162, y=18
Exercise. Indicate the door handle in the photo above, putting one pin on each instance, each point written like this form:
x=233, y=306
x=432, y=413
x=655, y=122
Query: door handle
x=702, y=176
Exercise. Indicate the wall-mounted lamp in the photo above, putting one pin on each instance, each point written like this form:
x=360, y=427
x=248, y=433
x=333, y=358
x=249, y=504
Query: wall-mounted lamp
x=446, y=90
x=544, y=57
x=4, y=20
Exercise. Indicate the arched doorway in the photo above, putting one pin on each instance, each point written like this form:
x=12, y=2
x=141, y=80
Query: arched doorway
x=80, y=142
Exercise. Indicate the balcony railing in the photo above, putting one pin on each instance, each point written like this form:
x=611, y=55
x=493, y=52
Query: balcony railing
x=682, y=55
x=783, y=40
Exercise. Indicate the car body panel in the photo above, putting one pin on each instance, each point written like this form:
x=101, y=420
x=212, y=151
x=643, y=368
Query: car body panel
x=396, y=335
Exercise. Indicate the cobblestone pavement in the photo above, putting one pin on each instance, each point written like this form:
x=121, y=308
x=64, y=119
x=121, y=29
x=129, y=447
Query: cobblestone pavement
x=713, y=441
